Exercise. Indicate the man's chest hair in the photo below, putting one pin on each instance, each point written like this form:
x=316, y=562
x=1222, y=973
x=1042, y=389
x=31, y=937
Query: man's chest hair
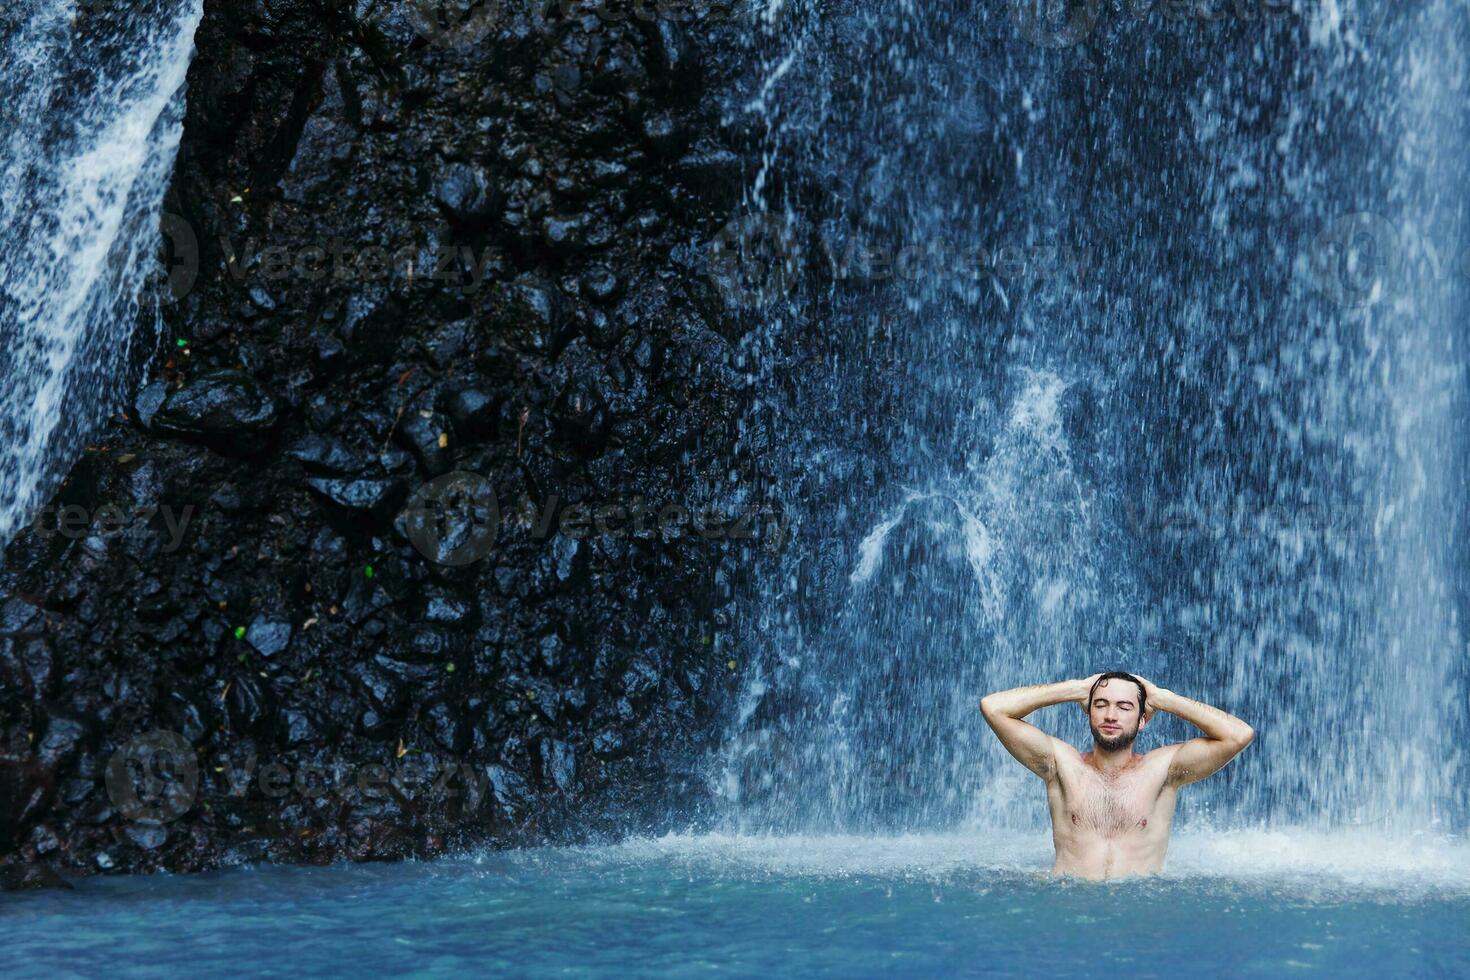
x=1109, y=803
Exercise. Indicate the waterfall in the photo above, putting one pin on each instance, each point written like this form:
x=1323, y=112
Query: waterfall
x=1121, y=341
x=93, y=115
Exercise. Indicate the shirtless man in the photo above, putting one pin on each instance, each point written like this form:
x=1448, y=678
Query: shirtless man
x=1111, y=809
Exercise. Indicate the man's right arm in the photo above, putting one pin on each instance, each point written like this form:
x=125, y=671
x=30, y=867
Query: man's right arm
x=1032, y=747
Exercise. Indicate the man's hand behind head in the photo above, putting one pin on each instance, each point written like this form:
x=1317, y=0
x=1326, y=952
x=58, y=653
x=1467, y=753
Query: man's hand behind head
x=1084, y=696
x=1150, y=697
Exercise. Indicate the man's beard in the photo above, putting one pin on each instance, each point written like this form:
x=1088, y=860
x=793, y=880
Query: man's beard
x=1117, y=742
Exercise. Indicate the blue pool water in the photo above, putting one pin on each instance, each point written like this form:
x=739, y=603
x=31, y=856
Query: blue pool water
x=1232, y=904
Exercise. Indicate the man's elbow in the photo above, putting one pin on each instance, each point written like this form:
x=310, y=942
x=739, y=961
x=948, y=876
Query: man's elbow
x=1244, y=736
x=989, y=707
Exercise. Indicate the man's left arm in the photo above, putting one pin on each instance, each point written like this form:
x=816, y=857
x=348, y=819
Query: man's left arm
x=1224, y=735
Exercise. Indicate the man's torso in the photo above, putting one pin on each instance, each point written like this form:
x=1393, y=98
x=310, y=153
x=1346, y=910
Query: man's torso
x=1107, y=825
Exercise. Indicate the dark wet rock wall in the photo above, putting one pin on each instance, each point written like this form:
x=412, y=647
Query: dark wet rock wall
x=402, y=252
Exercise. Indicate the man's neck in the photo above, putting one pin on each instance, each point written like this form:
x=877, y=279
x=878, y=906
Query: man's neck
x=1113, y=761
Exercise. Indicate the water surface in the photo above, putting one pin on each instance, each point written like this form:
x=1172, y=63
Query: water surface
x=1246, y=903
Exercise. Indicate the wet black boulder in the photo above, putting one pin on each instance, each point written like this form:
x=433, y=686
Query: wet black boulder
x=228, y=410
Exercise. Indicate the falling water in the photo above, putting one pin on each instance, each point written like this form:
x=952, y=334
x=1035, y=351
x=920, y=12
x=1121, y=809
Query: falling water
x=1120, y=342
x=93, y=114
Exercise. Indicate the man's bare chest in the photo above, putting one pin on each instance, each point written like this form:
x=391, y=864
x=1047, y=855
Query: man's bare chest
x=1108, y=805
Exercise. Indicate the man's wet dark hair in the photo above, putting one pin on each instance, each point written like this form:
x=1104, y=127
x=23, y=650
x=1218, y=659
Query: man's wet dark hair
x=1118, y=675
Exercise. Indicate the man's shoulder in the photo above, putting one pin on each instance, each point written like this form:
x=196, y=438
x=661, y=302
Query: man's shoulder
x=1162, y=756
x=1065, y=750
x=1067, y=755
x=1163, y=751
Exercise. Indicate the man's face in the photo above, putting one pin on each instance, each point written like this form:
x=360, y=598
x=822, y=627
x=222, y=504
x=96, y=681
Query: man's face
x=1114, y=715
